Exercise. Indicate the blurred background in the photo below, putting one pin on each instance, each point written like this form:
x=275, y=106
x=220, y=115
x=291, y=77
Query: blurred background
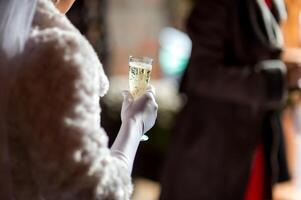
x=156, y=28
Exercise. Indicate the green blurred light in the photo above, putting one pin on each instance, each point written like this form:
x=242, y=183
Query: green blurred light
x=172, y=64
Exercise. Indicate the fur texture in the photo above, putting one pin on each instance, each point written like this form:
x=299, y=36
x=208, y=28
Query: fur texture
x=58, y=149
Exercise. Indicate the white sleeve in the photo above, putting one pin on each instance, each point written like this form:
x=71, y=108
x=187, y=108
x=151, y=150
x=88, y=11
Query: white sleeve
x=57, y=104
x=126, y=143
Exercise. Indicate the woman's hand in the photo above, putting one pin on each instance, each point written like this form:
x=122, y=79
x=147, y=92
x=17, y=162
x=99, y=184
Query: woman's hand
x=143, y=110
x=292, y=58
x=291, y=55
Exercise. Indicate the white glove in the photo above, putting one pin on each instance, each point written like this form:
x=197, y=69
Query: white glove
x=143, y=110
x=137, y=116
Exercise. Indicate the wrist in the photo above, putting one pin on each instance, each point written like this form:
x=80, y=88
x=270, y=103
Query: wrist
x=135, y=124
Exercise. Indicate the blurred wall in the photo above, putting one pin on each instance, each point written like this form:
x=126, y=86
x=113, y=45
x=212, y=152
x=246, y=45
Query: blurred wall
x=291, y=28
x=134, y=26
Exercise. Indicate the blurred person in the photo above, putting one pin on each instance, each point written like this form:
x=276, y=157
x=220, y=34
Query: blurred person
x=227, y=142
x=52, y=145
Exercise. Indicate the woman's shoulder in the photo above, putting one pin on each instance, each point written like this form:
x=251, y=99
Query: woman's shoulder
x=54, y=29
x=55, y=45
x=54, y=48
x=60, y=42
x=50, y=28
x=70, y=51
x=48, y=16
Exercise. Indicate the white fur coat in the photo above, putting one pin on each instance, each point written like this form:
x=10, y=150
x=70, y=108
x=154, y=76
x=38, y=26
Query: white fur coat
x=58, y=149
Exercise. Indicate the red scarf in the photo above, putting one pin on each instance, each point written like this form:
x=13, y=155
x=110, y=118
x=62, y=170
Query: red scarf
x=255, y=189
x=269, y=3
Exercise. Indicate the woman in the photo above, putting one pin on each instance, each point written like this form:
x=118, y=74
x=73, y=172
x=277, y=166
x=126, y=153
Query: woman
x=52, y=145
x=235, y=83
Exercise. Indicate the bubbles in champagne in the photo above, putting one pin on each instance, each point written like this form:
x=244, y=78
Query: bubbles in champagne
x=139, y=77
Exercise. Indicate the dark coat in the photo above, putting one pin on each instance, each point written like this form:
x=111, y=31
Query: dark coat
x=231, y=102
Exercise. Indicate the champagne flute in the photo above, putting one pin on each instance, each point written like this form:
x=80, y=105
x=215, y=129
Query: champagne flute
x=139, y=77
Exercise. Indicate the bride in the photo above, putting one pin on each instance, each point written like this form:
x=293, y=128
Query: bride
x=52, y=146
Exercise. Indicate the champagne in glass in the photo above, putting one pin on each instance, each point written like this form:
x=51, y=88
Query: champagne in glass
x=139, y=77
